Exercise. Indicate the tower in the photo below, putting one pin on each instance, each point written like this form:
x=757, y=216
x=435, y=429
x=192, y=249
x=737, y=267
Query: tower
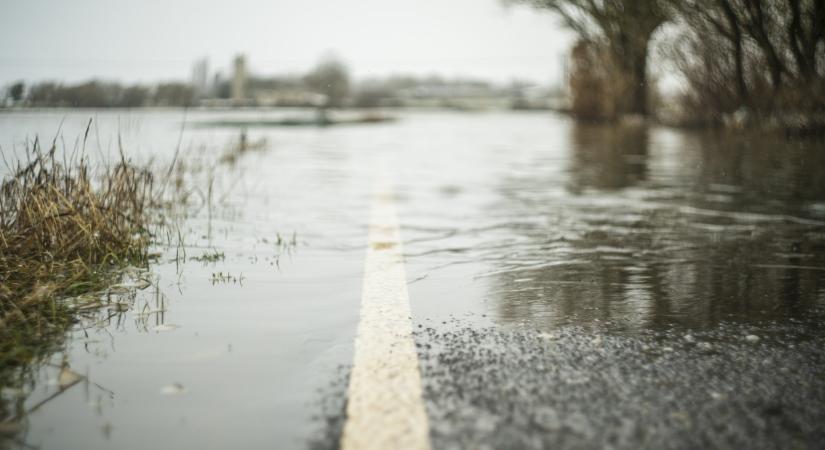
x=200, y=77
x=239, y=79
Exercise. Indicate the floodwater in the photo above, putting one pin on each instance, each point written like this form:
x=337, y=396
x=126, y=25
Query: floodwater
x=508, y=219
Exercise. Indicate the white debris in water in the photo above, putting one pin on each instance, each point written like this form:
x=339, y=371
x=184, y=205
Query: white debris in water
x=667, y=349
x=752, y=338
x=68, y=377
x=166, y=327
x=173, y=389
x=689, y=338
x=705, y=345
x=596, y=340
x=548, y=336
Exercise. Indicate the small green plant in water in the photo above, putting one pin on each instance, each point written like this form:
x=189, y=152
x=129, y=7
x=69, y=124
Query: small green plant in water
x=227, y=278
x=212, y=256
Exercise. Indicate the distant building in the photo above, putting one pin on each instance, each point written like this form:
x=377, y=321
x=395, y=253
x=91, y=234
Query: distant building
x=239, y=80
x=200, y=78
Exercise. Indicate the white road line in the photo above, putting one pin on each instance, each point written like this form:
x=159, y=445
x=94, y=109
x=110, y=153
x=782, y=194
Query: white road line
x=384, y=406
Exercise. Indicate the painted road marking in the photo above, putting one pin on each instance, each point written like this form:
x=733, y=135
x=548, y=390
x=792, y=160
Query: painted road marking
x=384, y=405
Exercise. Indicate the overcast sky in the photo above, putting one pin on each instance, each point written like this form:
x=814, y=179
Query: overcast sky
x=151, y=40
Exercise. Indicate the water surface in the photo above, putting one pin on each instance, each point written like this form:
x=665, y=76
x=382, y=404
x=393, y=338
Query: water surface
x=508, y=219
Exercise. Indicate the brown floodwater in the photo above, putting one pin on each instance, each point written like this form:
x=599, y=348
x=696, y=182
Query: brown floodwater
x=508, y=219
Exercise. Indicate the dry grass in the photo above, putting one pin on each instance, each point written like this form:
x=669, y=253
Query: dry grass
x=65, y=229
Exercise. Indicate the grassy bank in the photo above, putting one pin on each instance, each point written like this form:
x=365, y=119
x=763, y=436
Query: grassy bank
x=66, y=228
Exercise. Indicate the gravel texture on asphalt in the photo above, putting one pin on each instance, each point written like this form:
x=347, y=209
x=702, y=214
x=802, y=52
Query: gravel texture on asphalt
x=730, y=387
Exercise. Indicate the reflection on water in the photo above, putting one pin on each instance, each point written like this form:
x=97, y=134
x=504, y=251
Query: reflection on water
x=607, y=157
x=45, y=376
x=679, y=229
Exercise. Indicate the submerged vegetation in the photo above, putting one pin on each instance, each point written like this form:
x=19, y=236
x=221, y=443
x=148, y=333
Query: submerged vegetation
x=75, y=235
x=211, y=256
x=65, y=229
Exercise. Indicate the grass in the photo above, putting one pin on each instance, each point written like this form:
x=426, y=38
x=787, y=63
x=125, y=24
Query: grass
x=211, y=256
x=227, y=278
x=75, y=241
x=234, y=152
x=66, y=228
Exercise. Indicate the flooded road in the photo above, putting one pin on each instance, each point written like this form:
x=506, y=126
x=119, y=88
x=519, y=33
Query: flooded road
x=519, y=229
x=634, y=227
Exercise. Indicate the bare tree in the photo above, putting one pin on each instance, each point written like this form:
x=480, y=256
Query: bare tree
x=776, y=49
x=625, y=28
x=16, y=91
x=331, y=79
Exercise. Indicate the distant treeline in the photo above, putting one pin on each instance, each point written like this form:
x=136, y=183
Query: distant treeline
x=99, y=94
x=329, y=84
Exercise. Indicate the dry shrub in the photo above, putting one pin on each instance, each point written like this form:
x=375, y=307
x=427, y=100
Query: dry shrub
x=752, y=64
x=709, y=94
x=590, y=84
x=600, y=91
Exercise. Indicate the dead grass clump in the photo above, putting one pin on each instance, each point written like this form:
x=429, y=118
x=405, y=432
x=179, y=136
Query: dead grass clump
x=64, y=228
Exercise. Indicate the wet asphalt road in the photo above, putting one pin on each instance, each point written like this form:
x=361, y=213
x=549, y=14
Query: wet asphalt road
x=733, y=386
x=725, y=388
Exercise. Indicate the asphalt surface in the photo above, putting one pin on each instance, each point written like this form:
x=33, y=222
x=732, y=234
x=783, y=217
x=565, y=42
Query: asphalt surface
x=732, y=386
